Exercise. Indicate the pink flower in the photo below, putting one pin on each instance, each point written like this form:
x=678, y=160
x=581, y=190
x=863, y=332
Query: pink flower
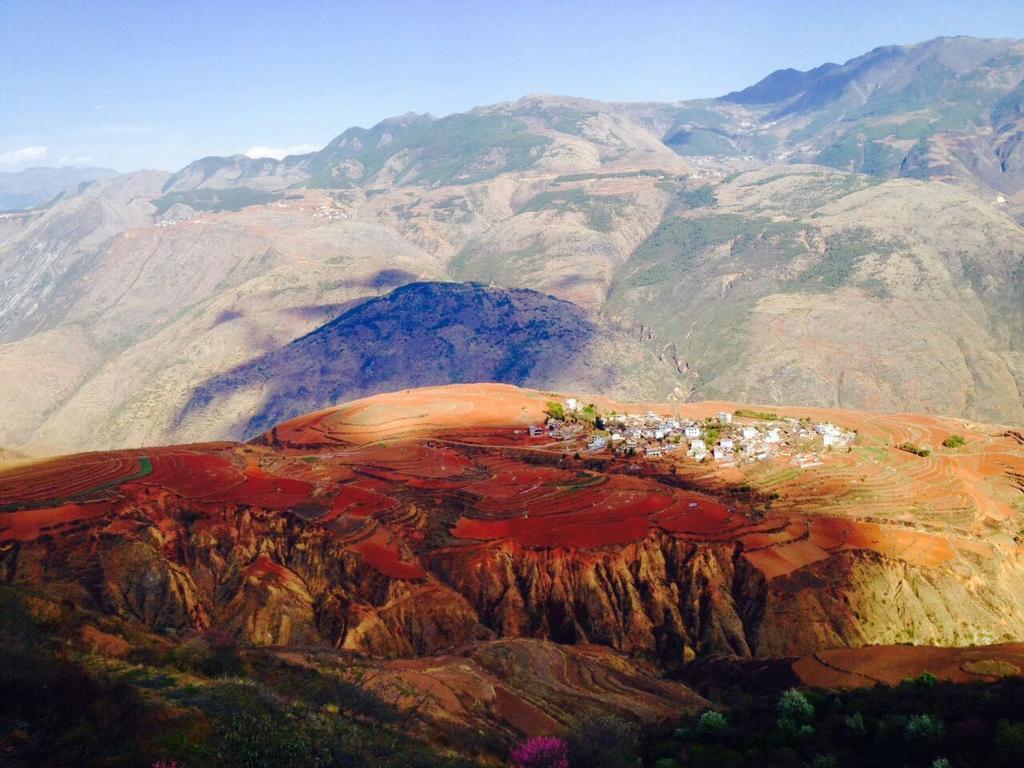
x=541, y=752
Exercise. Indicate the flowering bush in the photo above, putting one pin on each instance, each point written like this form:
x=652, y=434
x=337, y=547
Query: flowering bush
x=541, y=752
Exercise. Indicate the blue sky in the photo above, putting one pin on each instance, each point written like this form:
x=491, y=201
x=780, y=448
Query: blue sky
x=157, y=84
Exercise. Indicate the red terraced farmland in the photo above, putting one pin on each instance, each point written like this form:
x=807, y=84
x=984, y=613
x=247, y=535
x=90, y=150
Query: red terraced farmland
x=905, y=544
x=697, y=515
x=30, y=524
x=259, y=489
x=383, y=555
x=780, y=560
x=360, y=499
x=213, y=479
x=194, y=476
x=465, y=408
x=890, y=665
x=50, y=483
x=585, y=519
x=782, y=531
x=388, y=463
x=429, y=462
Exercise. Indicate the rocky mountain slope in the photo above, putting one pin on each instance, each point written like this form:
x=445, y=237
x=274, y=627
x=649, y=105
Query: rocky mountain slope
x=814, y=286
x=848, y=236
x=946, y=108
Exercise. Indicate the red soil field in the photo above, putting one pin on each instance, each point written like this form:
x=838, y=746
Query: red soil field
x=890, y=665
x=355, y=499
x=30, y=524
x=65, y=478
x=374, y=472
x=417, y=413
x=383, y=555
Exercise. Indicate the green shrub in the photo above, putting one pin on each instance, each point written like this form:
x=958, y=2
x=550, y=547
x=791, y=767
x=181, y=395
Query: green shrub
x=710, y=724
x=675, y=246
x=924, y=680
x=555, y=410
x=602, y=741
x=448, y=150
x=256, y=734
x=747, y=413
x=795, y=706
x=844, y=252
x=954, y=441
x=598, y=210
x=914, y=449
x=855, y=724
x=212, y=655
x=1009, y=742
x=215, y=200
x=923, y=728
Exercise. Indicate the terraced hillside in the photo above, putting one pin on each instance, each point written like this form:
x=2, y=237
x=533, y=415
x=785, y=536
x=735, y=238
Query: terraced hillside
x=413, y=523
x=423, y=548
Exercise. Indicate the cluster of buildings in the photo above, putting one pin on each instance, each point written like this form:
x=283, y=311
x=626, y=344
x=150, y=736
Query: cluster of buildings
x=726, y=439
x=329, y=213
x=707, y=173
x=173, y=221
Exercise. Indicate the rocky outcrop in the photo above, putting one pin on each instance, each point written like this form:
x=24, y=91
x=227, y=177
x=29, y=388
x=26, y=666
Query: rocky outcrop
x=661, y=596
x=864, y=598
x=673, y=600
x=268, y=582
x=418, y=523
x=140, y=583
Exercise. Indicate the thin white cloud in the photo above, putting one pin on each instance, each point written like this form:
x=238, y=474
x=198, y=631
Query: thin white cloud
x=279, y=153
x=125, y=129
x=19, y=158
x=80, y=160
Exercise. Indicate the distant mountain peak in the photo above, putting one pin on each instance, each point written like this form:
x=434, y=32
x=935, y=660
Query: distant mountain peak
x=36, y=186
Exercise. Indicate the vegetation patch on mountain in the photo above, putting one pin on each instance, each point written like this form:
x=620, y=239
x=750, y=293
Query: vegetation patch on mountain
x=215, y=200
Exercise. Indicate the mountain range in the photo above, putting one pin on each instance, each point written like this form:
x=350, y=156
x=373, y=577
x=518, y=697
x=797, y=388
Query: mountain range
x=847, y=236
x=33, y=187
